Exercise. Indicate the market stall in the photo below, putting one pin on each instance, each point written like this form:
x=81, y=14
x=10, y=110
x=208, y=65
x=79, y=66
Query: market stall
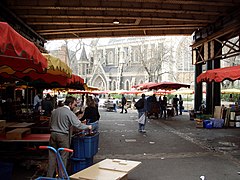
x=218, y=75
x=230, y=115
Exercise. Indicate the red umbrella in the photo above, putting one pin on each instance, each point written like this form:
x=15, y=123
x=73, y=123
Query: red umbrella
x=168, y=85
x=144, y=85
x=133, y=92
x=219, y=75
x=163, y=92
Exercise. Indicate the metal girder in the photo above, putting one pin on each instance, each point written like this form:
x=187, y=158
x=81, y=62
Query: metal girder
x=21, y=27
x=233, y=50
x=61, y=19
x=219, y=33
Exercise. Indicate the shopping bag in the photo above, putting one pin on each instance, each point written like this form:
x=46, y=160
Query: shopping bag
x=141, y=120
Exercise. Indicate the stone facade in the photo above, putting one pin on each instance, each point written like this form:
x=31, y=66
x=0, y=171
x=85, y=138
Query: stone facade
x=121, y=63
x=124, y=62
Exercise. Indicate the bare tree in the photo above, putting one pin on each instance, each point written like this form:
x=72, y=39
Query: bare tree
x=72, y=52
x=152, y=57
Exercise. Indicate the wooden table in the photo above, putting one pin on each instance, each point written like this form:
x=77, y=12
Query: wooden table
x=28, y=138
x=108, y=169
x=21, y=125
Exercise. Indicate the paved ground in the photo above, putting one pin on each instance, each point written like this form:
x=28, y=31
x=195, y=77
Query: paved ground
x=171, y=149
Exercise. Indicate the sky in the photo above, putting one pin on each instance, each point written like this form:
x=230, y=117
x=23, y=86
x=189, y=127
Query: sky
x=56, y=44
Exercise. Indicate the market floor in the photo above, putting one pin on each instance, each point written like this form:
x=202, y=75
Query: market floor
x=170, y=149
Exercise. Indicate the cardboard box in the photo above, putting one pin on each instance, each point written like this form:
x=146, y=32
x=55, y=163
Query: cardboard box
x=2, y=126
x=17, y=133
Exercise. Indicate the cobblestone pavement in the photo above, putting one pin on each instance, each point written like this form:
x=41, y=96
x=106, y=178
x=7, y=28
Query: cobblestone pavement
x=171, y=148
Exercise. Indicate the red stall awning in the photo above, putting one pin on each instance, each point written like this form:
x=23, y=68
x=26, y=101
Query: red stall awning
x=144, y=85
x=20, y=59
x=218, y=75
x=75, y=80
x=17, y=53
x=168, y=86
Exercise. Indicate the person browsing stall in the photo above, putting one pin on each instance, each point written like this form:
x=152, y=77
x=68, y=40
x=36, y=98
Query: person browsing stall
x=37, y=102
x=91, y=113
x=62, y=119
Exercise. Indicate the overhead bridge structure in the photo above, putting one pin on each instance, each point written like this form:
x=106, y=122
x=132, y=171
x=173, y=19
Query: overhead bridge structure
x=212, y=25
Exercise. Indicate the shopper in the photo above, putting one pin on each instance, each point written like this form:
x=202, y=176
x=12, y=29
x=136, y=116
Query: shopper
x=124, y=102
x=47, y=105
x=141, y=106
x=163, y=106
x=91, y=114
x=37, y=102
x=180, y=105
x=62, y=119
x=175, y=104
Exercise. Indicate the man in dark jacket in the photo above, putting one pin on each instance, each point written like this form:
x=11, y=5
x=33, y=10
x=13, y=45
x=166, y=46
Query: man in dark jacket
x=124, y=101
x=142, y=111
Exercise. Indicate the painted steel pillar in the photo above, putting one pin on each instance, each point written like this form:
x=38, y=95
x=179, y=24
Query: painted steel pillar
x=197, y=88
x=216, y=87
x=209, y=86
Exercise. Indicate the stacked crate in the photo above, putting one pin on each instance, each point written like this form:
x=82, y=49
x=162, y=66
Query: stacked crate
x=84, y=149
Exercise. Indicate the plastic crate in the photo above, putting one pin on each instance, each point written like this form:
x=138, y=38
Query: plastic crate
x=85, y=146
x=6, y=170
x=80, y=164
x=217, y=123
x=208, y=124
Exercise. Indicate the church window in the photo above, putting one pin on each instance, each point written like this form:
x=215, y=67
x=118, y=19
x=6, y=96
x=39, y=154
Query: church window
x=135, y=55
x=114, y=85
x=110, y=58
x=127, y=85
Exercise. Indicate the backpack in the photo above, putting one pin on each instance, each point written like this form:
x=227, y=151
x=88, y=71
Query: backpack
x=139, y=104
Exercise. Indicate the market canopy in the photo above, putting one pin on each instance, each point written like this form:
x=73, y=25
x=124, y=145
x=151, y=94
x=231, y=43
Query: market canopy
x=56, y=66
x=17, y=53
x=184, y=92
x=90, y=88
x=75, y=82
x=161, y=92
x=144, y=85
x=218, y=75
x=58, y=74
x=168, y=86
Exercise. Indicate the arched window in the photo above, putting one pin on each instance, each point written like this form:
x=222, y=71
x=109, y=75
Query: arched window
x=127, y=85
x=110, y=58
x=114, y=85
x=135, y=55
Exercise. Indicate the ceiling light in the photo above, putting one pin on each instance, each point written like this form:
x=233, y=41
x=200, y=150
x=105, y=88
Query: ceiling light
x=115, y=21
